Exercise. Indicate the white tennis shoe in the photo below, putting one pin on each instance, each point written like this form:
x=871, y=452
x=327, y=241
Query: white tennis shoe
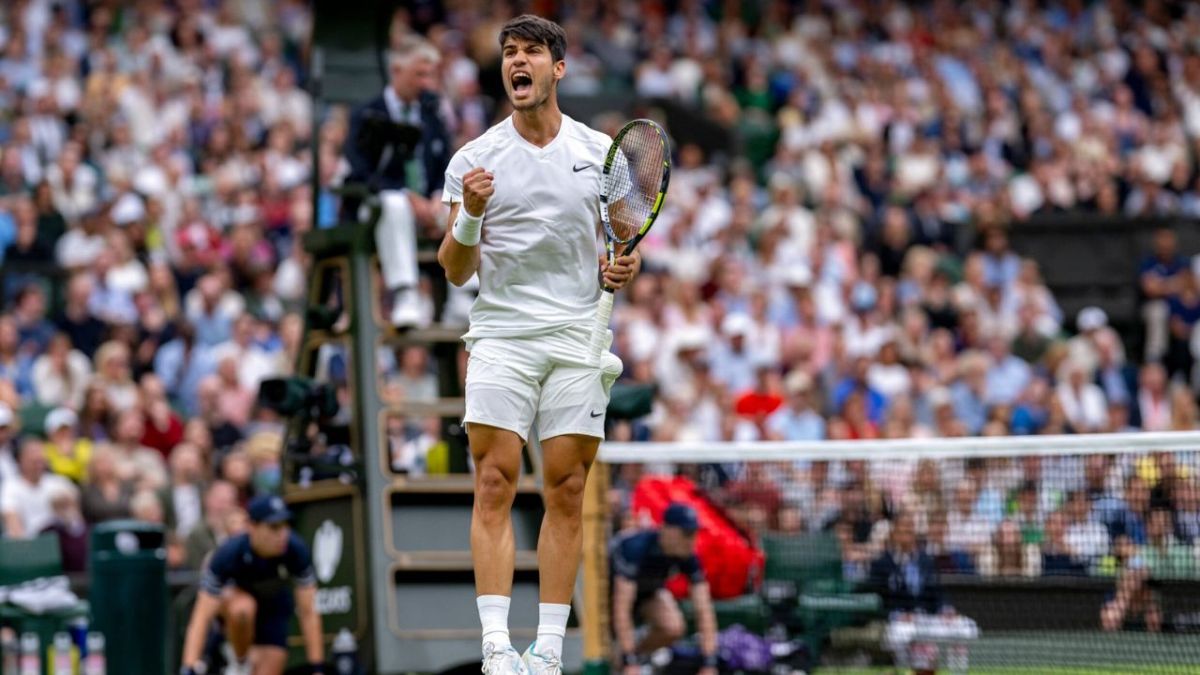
x=506, y=661
x=538, y=664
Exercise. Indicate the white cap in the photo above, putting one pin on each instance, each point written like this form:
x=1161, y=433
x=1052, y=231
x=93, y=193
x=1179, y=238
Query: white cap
x=1091, y=318
x=798, y=276
x=128, y=209
x=6, y=415
x=798, y=381
x=736, y=324
x=60, y=417
x=939, y=397
x=691, y=337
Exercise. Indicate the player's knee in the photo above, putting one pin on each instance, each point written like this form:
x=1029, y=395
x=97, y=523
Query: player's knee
x=673, y=626
x=565, y=496
x=494, y=490
x=242, y=608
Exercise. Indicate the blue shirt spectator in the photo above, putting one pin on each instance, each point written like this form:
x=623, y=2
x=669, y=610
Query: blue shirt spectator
x=1007, y=378
x=8, y=232
x=969, y=407
x=798, y=421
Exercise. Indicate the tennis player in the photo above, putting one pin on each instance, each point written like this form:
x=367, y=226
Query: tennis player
x=524, y=214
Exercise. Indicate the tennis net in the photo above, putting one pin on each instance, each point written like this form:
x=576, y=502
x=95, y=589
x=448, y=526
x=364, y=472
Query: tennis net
x=1063, y=554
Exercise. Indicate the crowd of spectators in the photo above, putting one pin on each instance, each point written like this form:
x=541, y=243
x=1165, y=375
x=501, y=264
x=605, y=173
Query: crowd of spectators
x=153, y=169
x=847, y=274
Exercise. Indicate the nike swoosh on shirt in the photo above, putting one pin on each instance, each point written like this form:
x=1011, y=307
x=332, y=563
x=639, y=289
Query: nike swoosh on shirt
x=596, y=414
x=580, y=167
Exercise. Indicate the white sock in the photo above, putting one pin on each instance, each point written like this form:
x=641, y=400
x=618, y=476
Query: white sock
x=552, y=626
x=493, y=614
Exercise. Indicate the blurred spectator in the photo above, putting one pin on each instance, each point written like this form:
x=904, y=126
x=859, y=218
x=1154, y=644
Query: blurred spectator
x=904, y=575
x=1187, y=509
x=1094, y=331
x=181, y=497
x=16, y=363
x=1166, y=557
x=1152, y=409
x=1159, y=280
x=1183, y=312
x=906, y=578
x=68, y=524
x=67, y=454
x=25, y=500
x=145, y=506
x=1058, y=558
x=1082, y=401
x=142, y=466
x=181, y=364
x=114, y=376
x=106, y=494
x=1127, y=515
x=221, y=518
x=61, y=374
x=967, y=530
x=76, y=319
x=29, y=312
x=1086, y=539
x=1134, y=597
x=8, y=444
x=163, y=429
x=798, y=420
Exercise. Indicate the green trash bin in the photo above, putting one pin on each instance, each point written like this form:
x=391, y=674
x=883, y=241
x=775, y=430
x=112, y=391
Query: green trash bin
x=129, y=595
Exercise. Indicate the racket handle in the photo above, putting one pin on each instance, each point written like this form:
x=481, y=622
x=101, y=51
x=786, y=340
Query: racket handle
x=600, y=328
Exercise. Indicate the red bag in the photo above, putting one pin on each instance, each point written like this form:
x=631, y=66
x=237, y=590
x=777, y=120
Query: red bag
x=732, y=563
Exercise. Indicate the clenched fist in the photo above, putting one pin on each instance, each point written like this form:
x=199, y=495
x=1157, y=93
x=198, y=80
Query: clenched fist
x=477, y=189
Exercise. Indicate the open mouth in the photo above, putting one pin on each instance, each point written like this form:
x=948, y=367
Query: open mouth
x=522, y=82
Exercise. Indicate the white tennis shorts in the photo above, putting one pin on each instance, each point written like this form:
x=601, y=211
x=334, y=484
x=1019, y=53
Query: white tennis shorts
x=514, y=383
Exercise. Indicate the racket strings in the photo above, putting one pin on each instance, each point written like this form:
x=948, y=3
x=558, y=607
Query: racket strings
x=632, y=185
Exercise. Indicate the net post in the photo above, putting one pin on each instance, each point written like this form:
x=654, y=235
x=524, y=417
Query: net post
x=595, y=571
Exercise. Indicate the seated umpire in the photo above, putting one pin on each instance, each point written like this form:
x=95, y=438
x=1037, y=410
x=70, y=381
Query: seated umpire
x=253, y=582
x=642, y=562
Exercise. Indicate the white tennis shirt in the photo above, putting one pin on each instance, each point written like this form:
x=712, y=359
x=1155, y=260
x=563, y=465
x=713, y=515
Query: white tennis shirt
x=539, y=251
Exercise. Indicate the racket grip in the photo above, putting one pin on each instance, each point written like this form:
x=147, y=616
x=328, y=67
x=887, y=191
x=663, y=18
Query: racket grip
x=600, y=328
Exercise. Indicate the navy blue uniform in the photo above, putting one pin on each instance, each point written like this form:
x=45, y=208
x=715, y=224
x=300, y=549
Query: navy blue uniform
x=639, y=558
x=269, y=580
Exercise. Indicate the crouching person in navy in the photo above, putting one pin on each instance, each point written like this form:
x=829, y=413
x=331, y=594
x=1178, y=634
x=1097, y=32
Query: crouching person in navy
x=642, y=562
x=252, y=583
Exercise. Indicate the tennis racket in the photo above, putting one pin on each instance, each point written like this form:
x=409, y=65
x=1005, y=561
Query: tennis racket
x=637, y=170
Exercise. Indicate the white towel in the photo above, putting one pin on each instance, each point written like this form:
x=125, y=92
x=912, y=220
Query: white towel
x=40, y=595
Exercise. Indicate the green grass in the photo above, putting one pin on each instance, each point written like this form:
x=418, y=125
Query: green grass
x=1072, y=653
x=1038, y=670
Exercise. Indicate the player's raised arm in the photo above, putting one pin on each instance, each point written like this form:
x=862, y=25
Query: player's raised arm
x=459, y=252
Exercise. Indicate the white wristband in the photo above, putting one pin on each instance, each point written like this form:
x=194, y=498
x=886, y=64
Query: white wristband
x=467, y=227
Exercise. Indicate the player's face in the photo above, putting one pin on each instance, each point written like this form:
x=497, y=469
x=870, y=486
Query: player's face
x=676, y=542
x=269, y=540
x=530, y=73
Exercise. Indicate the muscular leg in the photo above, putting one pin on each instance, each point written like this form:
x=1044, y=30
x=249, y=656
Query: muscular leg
x=666, y=622
x=566, y=460
x=269, y=660
x=497, y=455
x=238, y=610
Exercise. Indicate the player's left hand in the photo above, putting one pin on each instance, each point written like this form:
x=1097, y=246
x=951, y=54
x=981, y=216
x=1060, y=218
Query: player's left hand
x=622, y=271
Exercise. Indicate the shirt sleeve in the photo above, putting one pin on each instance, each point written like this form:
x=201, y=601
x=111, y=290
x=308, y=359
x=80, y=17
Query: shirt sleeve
x=217, y=573
x=300, y=562
x=626, y=561
x=693, y=570
x=452, y=189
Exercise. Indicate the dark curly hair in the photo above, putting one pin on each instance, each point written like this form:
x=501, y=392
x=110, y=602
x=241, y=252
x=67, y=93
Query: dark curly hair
x=536, y=29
